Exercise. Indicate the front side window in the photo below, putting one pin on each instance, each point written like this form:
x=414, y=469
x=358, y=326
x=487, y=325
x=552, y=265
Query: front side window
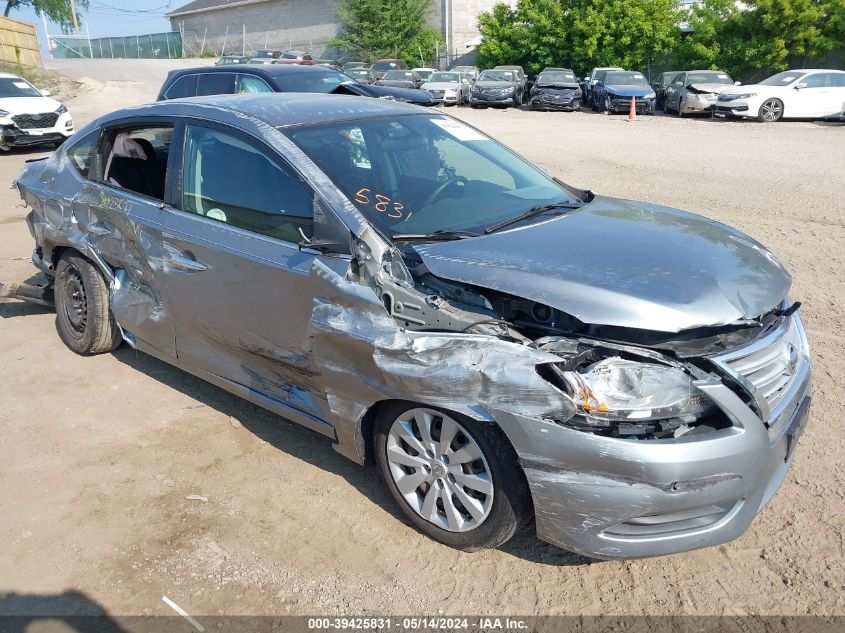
x=216, y=84
x=230, y=180
x=247, y=84
x=819, y=80
x=423, y=173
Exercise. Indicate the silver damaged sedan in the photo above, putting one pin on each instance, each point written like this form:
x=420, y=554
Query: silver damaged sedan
x=499, y=344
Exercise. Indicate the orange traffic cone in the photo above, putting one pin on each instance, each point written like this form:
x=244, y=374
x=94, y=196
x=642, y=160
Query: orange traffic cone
x=632, y=114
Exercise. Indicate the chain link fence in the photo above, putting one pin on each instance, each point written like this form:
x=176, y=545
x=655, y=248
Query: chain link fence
x=149, y=46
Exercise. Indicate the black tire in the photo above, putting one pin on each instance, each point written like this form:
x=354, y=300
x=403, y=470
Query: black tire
x=83, y=314
x=608, y=107
x=511, y=506
x=680, y=111
x=771, y=111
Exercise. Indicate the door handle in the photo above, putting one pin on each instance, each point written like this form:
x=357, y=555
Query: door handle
x=97, y=229
x=185, y=263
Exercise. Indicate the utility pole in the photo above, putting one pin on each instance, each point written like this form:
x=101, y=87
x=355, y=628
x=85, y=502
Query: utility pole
x=73, y=16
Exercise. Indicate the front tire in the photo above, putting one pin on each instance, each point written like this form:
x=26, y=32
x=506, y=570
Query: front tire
x=457, y=480
x=770, y=111
x=83, y=315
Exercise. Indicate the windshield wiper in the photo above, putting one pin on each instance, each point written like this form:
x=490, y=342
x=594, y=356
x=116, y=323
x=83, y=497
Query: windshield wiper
x=438, y=235
x=532, y=212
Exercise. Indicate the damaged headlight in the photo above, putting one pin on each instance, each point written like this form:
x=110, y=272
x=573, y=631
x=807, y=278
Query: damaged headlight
x=616, y=389
x=62, y=109
x=4, y=113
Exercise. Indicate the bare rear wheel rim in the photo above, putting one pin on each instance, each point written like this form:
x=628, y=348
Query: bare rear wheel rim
x=439, y=469
x=772, y=110
x=75, y=301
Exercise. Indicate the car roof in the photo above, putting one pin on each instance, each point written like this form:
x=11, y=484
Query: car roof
x=267, y=69
x=275, y=109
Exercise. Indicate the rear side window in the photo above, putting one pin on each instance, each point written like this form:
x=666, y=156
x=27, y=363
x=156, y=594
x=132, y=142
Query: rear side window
x=837, y=80
x=185, y=86
x=819, y=80
x=234, y=182
x=216, y=84
x=83, y=152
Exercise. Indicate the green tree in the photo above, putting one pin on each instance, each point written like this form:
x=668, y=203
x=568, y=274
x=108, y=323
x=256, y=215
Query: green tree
x=373, y=29
x=579, y=33
x=57, y=11
x=761, y=36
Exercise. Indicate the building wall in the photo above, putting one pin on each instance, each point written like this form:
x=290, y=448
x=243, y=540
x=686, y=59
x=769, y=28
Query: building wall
x=310, y=26
x=277, y=24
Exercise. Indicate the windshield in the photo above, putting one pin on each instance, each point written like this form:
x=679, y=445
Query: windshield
x=384, y=65
x=424, y=173
x=424, y=74
x=556, y=78
x=16, y=87
x=309, y=81
x=496, y=75
x=625, y=79
x=358, y=72
x=257, y=54
x=709, y=78
x=782, y=79
x=451, y=78
x=400, y=75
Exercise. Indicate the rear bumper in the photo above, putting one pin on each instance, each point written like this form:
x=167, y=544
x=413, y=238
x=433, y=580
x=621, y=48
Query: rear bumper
x=611, y=498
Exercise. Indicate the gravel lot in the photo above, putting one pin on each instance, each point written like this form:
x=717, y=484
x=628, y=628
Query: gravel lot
x=124, y=479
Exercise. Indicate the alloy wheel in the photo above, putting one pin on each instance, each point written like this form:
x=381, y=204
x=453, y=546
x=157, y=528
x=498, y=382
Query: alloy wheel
x=771, y=110
x=439, y=469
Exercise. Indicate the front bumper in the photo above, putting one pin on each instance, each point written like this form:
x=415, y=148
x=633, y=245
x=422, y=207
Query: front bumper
x=13, y=136
x=482, y=99
x=732, y=108
x=697, y=105
x=539, y=103
x=623, y=104
x=611, y=498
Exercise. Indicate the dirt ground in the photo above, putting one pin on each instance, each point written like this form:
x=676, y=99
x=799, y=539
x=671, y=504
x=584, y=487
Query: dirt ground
x=124, y=479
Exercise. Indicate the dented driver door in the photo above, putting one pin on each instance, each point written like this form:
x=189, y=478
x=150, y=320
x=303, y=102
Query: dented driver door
x=236, y=276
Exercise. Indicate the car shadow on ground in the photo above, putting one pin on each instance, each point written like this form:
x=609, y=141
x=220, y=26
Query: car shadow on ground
x=70, y=612
x=316, y=449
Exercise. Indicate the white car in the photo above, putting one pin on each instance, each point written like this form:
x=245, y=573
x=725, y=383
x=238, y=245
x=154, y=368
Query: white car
x=448, y=87
x=794, y=94
x=28, y=116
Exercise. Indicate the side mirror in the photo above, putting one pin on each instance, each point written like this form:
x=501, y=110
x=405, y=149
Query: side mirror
x=737, y=83
x=800, y=85
x=45, y=93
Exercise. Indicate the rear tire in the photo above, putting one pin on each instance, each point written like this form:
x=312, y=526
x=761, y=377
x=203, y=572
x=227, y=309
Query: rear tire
x=475, y=498
x=83, y=315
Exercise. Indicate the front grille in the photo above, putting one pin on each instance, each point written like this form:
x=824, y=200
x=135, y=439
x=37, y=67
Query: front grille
x=35, y=121
x=770, y=366
x=437, y=94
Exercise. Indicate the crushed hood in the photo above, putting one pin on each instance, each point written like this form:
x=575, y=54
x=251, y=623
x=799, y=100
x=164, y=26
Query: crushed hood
x=714, y=88
x=624, y=90
x=623, y=263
